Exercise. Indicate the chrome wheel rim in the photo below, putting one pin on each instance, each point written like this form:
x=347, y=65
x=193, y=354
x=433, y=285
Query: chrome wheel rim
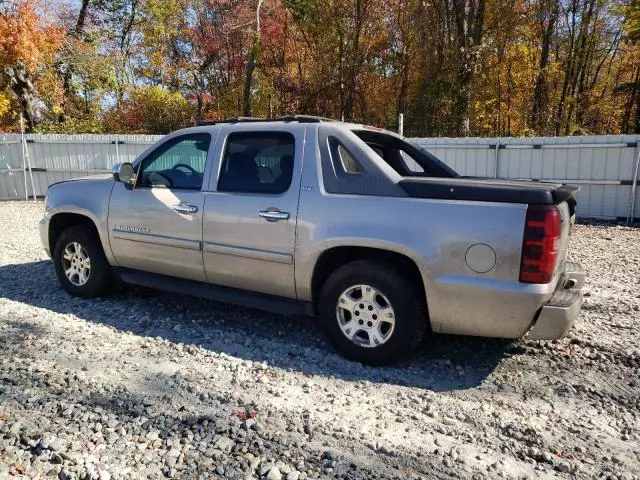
x=76, y=264
x=365, y=316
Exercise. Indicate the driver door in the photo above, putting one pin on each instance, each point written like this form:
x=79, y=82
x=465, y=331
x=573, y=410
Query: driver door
x=157, y=225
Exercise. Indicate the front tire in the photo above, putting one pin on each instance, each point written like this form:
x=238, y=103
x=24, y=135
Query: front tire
x=80, y=263
x=371, y=312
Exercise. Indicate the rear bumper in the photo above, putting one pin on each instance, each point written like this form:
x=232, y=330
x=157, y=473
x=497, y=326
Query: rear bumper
x=573, y=275
x=557, y=316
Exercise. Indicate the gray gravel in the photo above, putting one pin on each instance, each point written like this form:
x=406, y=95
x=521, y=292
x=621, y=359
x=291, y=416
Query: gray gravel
x=146, y=384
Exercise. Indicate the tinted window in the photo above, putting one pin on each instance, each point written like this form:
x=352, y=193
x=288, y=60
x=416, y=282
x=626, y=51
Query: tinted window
x=178, y=163
x=343, y=157
x=257, y=162
x=410, y=163
x=403, y=157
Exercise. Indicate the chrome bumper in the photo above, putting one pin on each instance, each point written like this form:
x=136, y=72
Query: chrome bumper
x=557, y=316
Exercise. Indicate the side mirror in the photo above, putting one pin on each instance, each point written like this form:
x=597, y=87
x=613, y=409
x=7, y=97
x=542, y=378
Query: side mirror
x=124, y=172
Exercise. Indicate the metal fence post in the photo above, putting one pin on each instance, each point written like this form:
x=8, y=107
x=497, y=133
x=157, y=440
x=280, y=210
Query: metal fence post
x=401, y=123
x=497, y=159
x=117, y=151
x=26, y=161
x=634, y=187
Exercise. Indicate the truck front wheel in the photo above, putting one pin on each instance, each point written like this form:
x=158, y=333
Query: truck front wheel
x=371, y=312
x=80, y=263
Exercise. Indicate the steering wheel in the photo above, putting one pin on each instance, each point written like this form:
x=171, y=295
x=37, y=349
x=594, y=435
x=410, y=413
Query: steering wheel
x=192, y=170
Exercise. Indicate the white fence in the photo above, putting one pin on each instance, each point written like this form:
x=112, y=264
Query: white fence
x=606, y=167
x=54, y=158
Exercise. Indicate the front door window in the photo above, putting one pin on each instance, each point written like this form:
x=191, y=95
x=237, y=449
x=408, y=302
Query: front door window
x=177, y=164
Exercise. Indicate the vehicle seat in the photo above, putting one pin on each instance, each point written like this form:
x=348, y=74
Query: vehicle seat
x=286, y=169
x=241, y=174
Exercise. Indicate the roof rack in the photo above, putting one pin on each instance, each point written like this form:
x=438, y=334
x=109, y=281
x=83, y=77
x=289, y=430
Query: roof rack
x=286, y=118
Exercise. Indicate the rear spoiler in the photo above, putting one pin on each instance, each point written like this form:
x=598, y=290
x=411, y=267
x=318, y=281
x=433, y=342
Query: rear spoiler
x=564, y=193
x=567, y=193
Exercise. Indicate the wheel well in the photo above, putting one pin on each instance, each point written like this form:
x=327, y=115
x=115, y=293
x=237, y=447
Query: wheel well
x=61, y=221
x=333, y=258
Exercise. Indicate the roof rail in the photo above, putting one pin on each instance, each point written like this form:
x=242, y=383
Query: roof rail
x=305, y=119
x=286, y=118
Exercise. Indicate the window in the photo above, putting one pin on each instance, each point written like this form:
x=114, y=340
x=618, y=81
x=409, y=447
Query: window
x=348, y=161
x=257, y=162
x=410, y=163
x=377, y=149
x=178, y=163
x=403, y=157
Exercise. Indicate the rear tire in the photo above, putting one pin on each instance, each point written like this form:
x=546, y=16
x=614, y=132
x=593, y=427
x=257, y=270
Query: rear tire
x=371, y=312
x=80, y=263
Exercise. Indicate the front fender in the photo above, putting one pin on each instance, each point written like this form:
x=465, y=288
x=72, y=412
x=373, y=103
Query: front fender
x=89, y=198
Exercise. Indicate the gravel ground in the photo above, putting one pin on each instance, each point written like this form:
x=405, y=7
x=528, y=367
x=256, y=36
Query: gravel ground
x=147, y=384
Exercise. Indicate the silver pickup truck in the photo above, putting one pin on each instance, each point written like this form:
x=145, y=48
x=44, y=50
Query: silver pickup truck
x=379, y=239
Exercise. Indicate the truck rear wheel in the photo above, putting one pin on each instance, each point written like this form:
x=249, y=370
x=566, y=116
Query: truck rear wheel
x=371, y=312
x=80, y=263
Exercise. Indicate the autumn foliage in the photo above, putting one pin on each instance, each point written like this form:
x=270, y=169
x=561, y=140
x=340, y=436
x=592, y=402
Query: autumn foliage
x=463, y=67
x=27, y=50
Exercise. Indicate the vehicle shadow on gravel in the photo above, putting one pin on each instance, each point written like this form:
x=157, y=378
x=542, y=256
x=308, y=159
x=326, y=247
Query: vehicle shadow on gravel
x=444, y=363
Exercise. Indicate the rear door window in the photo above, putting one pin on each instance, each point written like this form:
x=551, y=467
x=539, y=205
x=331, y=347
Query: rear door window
x=257, y=162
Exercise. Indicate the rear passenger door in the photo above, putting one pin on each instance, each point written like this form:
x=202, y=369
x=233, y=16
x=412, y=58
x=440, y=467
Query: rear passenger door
x=251, y=208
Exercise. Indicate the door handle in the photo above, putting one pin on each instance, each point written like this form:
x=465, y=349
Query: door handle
x=185, y=208
x=273, y=215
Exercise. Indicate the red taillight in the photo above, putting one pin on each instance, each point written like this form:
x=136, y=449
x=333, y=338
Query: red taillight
x=540, y=244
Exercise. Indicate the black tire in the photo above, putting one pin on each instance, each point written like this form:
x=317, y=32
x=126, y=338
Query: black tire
x=404, y=295
x=101, y=279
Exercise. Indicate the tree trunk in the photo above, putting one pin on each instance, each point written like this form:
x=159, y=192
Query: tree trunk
x=581, y=64
x=25, y=91
x=632, y=102
x=568, y=69
x=354, y=65
x=404, y=84
x=252, y=60
x=548, y=15
x=82, y=17
x=637, y=122
x=576, y=63
x=469, y=23
x=67, y=87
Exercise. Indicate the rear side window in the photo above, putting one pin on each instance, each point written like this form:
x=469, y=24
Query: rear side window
x=410, y=163
x=257, y=162
x=343, y=157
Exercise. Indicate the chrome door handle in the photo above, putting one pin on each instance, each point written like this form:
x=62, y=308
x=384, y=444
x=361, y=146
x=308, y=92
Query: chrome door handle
x=273, y=215
x=185, y=208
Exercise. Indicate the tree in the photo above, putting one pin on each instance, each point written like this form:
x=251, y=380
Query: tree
x=252, y=60
x=547, y=15
x=452, y=67
x=27, y=48
x=150, y=109
x=631, y=26
x=469, y=28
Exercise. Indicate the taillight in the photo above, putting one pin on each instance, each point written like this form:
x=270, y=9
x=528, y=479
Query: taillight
x=540, y=244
